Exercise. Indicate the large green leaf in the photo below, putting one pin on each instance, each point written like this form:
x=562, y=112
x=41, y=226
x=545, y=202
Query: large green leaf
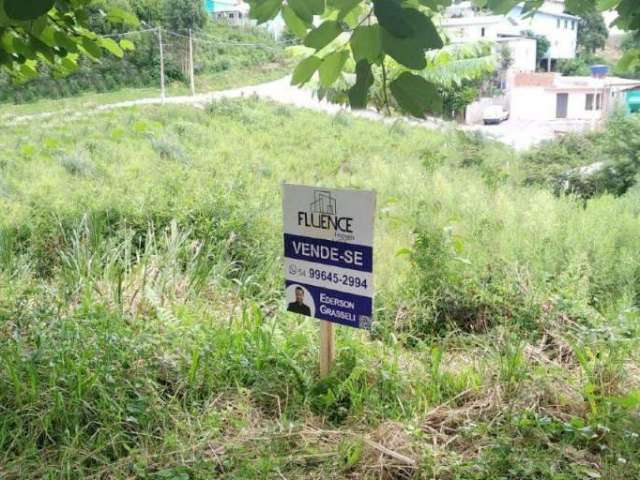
x=127, y=44
x=332, y=66
x=366, y=43
x=306, y=9
x=415, y=95
x=118, y=15
x=316, y=6
x=426, y=33
x=47, y=36
x=112, y=46
x=353, y=17
x=302, y=10
x=305, y=70
x=27, y=71
x=27, y=9
x=323, y=35
x=294, y=22
x=25, y=48
x=91, y=47
x=344, y=6
x=629, y=60
x=434, y=4
x=604, y=5
x=6, y=42
x=393, y=18
x=406, y=51
x=264, y=10
x=65, y=41
x=359, y=93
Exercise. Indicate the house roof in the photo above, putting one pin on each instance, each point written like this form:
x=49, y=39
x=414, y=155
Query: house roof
x=558, y=82
x=530, y=79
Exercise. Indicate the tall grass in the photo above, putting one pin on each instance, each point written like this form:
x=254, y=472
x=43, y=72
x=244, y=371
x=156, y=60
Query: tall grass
x=143, y=335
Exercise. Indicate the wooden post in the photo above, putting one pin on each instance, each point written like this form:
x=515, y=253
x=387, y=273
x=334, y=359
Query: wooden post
x=162, y=93
x=192, y=80
x=327, y=348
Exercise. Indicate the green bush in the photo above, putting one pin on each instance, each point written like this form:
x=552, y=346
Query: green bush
x=588, y=164
x=214, y=52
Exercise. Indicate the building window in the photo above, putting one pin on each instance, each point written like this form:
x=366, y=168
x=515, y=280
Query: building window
x=573, y=24
x=482, y=32
x=589, y=102
x=558, y=22
x=566, y=24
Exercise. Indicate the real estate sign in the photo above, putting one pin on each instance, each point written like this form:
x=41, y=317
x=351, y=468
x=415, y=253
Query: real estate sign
x=328, y=253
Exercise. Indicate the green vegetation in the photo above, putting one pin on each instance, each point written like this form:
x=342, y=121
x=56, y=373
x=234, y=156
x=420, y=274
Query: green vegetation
x=386, y=32
x=56, y=34
x=542, y=45
x=589, y=164
x=143, y=333
x=592, y=31
x=215, y=58
x=459, y=73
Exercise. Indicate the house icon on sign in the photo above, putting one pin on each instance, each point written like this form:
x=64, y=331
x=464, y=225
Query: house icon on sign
x=323, y=202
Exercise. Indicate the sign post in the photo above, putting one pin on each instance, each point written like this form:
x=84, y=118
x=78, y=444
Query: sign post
x=328, y=259
x=327, y=348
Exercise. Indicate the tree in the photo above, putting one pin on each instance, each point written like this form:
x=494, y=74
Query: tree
x=183, y=14
x=505, y=58
x=371, y=31
x=542, y=45
x=505, y=61
x=148, y=11
x=592, y=32
x=457, y=71
x=54, y=32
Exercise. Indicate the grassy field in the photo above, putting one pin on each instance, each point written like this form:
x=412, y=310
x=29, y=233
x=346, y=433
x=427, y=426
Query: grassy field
x=205, y=82
x=144, y=336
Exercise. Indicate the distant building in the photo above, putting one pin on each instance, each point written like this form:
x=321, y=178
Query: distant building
x=550, y=20
x=498, y=30
x=463, y=22
x=550, y=96
x=236, y=12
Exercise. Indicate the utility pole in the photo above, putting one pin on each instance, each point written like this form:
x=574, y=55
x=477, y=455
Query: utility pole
x=162, y=93
x=192, y=80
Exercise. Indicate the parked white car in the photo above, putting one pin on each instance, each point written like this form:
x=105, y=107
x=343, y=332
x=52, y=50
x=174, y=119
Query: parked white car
x=494, y=115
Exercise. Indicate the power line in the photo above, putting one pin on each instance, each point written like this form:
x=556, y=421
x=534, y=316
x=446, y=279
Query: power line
x=214, y=41
x=131, y=32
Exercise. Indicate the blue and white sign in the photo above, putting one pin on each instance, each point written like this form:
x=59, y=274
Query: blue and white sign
x=328, y=253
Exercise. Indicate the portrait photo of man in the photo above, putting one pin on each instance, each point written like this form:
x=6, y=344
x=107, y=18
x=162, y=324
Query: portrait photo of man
x=298, y=306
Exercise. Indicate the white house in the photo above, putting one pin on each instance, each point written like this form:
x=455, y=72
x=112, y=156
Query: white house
x=478, y=27
x=550, y=96
x=497, y=29
x=561, y=29
x=523, y=53
x=236, y=12
x=463, y=22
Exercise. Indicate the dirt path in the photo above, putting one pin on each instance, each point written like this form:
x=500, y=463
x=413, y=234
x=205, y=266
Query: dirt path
x=281, y=91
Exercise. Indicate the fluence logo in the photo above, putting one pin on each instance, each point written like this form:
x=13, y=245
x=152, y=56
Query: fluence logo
x=323, y=202
x=323, y=214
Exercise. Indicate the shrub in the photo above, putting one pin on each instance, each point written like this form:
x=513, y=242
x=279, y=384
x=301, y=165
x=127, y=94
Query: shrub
x=77, y=164
x=588, y=164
